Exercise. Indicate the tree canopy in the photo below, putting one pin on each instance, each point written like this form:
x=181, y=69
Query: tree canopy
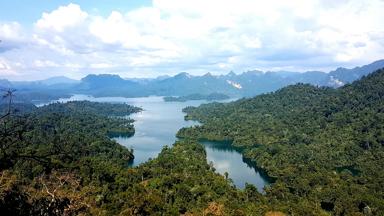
x=323, y=145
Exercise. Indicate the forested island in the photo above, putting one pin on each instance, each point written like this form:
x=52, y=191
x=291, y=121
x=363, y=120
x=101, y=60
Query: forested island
x=209, y=97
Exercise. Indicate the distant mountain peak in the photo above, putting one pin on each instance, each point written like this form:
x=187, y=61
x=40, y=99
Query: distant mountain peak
x=182, y=75
x=253, y=72
x=101, y=76
x=58, y=80
x=208, y=75
x=162, y=77
x=102, y=80
x=231, y=74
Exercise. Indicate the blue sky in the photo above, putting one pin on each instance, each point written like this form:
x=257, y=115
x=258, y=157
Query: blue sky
x=27, y=11
x=151, y=38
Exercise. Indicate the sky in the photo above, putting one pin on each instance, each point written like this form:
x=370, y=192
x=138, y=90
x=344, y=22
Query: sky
x=149, y=38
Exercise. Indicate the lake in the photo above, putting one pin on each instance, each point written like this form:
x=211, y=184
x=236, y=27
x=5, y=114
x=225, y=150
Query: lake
x=226, y=158
x=157, y=125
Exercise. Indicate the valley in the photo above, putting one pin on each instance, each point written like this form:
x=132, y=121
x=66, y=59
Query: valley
x=192, y=108
x=282, y=152
x=156, y=126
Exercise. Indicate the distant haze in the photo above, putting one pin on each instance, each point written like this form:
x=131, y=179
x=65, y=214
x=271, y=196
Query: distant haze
x=189, y=87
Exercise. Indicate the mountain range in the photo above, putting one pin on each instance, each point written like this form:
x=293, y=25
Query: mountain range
x=246, y=84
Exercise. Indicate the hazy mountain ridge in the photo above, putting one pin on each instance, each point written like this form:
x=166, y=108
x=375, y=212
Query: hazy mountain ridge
x=59, y=80
x=5, y=83
x=52, y=81
x=246, y=84
x=40, y=90
x=349, y=75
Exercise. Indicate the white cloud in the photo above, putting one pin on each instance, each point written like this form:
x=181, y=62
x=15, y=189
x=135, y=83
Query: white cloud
x=115, y=29
x=4, y=65
x=10, y=31
x=200, y=36
x=6, y=69
x=101, y=65
x=251, y=42
x=45, y=63
x=62, y=18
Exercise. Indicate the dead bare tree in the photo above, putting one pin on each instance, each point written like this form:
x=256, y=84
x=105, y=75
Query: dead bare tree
x=61, y=186
x=8, y=95
x=11, y=131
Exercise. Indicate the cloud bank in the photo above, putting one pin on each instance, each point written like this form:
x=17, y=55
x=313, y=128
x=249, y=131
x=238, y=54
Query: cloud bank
x=195, y=36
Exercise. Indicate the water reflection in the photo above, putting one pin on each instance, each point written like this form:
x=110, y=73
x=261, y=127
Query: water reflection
x=226, y=158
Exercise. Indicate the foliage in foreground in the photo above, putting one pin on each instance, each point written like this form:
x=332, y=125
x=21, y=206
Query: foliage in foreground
x=53, y=157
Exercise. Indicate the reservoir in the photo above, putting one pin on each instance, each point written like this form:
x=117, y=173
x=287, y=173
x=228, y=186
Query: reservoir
x=157, y=125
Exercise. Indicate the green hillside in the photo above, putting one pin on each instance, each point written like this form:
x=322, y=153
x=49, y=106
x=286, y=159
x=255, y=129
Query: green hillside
x=324, y=146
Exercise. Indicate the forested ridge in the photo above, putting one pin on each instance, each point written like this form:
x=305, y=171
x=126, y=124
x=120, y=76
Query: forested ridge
x=324, y=146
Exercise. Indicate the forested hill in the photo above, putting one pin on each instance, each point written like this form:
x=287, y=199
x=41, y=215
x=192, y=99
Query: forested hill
x=324, y=146
x=54, y=157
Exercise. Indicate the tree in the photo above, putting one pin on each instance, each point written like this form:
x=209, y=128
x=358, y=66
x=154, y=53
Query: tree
x=8, y=95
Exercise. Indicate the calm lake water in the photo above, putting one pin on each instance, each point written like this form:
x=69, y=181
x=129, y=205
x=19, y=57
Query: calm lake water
x=226, y=158
x=157, y=125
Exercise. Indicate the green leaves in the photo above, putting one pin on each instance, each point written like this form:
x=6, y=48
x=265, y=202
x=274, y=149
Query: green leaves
x=302, y=135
